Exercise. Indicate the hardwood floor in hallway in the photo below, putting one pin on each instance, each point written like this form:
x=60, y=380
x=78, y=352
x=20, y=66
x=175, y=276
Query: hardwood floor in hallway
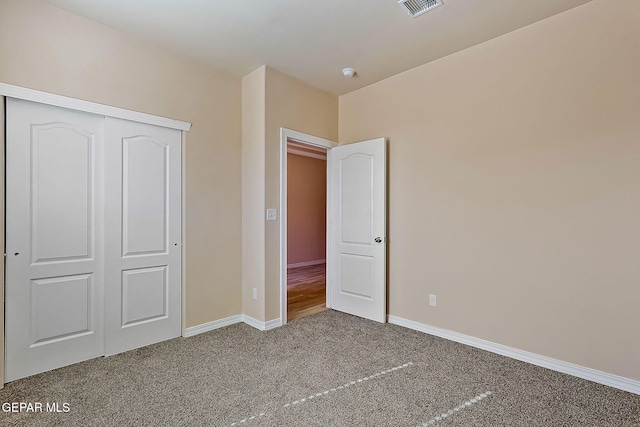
x=306, y=291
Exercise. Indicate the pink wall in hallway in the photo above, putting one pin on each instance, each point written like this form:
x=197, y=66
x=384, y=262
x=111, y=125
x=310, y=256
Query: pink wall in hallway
x=306, y=208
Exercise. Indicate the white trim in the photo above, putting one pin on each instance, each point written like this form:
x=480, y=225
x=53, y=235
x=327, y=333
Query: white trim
x=253, y=322
x=210, y=326
x=3, y=233
x=599, y=377
x=307, y=263
x=303, y=153
x=272, y=324
x=301, y=138
x=261, y=326
x=327, y=271
x=306, y=147
x=306, y=139
x=232, y=320
x=183, y=234
x=89, y=107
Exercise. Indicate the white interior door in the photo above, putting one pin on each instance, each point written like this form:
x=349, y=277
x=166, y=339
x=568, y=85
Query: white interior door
x=358, y=229
x=143, y=245
x=54, y=223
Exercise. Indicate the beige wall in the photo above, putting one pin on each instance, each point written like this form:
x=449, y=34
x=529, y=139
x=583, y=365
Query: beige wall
x=515, y=187
x=272, y=100
x=45, y=48
x=294, y=105
x=306, y=209
x=526, y=218
x=253, y=211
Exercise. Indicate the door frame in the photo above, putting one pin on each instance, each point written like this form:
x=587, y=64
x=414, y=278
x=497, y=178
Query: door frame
x=306, y=139
x=19, y=92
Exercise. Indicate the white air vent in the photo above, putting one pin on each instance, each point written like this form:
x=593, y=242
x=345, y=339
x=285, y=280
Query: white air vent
x=418, y=7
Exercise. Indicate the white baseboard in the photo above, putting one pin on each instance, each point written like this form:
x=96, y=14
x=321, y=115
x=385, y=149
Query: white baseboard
x=599, y=377
x=272, y=324
x=232, y=320
x=307, y=263
x=210, y=326
x=262, y=326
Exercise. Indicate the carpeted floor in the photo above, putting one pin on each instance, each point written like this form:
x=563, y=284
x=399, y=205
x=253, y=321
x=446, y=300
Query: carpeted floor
x=329, y=369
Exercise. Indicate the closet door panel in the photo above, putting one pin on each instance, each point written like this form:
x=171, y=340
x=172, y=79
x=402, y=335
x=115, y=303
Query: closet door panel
x=54, y=269
x=62, y=176
x=144, y=295
x=93, y=236
x=143, y=246
x=145, y=181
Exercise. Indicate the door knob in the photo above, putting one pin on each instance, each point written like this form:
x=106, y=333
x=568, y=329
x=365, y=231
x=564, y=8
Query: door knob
x=378, y=239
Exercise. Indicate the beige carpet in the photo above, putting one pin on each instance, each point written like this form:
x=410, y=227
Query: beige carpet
x=329, y=369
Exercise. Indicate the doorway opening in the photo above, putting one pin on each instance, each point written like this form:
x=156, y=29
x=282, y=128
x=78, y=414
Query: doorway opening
x=306, y=229
x=304, y=225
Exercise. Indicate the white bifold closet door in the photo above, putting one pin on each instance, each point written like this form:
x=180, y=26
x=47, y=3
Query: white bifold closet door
x=93, y=236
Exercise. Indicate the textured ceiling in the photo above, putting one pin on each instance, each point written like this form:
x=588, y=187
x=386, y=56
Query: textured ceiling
x=313, y=40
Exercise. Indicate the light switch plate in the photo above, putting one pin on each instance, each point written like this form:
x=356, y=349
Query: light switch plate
x=271, y=215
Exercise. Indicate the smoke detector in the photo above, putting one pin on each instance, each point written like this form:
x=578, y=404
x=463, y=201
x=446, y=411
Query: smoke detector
x=349, y=72
x=418, y=7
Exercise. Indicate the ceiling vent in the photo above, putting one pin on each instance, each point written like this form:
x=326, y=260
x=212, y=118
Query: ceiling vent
x=418, y=7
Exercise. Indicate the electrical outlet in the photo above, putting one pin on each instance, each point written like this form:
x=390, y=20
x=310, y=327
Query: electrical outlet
x=272, y=215
x=433, y=300
x=255, y=294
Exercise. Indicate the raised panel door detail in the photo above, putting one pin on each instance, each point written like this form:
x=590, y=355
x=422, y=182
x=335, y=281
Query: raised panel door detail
x=356, y=174
x=54, y=230
x=144, y=295
x=357, y=251
x=94, y=235
x=62, y=183
x=142, y=249
x=356, y=275
x=60, y=308
x=144, y=196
